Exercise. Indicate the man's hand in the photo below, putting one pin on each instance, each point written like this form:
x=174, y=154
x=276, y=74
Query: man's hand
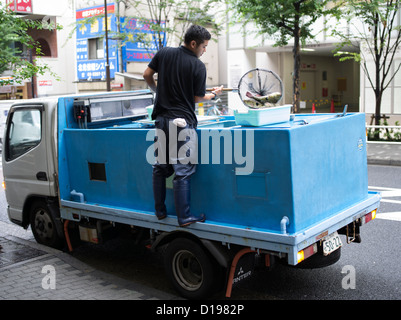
x=218, y=90
x=209, y=96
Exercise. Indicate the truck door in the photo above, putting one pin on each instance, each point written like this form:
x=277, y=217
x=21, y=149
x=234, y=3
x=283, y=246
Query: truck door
x=25, y=164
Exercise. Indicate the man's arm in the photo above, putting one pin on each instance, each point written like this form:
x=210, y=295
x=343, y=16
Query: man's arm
x=148, y=76
x=209, y=96
x=206, y=97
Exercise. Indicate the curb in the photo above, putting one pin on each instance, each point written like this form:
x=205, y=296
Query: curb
x=384, y=153
x=384, y=162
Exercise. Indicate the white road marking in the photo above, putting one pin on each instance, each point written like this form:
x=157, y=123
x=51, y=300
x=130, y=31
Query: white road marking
x=395, y=216
x=391, y=201
x=386, y=193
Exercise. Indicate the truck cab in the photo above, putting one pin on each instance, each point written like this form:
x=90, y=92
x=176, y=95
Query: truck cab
x=28, y=163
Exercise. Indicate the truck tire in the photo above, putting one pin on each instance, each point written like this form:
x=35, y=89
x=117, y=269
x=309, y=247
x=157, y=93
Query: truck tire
x=43, y=226
x=191, y=270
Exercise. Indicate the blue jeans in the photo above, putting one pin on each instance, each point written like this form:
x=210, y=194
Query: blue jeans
x=176, y=153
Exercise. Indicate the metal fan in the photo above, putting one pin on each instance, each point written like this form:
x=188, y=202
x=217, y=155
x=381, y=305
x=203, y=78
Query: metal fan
x=260, y=88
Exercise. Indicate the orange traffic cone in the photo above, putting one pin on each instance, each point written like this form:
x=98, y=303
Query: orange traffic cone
x=313, y=108
x=332, y=109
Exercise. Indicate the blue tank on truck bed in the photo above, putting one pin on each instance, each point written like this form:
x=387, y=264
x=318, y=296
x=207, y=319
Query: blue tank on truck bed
x=284, y=192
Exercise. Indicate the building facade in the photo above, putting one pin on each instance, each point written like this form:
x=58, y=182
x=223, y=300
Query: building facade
x=77, y=54
x=56, y=45
x=323, y=78
x=128, y=56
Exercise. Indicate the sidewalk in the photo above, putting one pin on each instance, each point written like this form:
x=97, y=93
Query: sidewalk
x=384, y=153
x=29, y=270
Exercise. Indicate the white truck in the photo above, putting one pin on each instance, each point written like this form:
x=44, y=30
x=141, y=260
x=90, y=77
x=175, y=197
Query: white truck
x=80, y=165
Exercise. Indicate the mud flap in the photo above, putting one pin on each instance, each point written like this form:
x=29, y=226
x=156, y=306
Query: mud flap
x=242, y=267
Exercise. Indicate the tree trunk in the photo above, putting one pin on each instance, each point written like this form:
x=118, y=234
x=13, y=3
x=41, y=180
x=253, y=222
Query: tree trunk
x=297, y=63
x=378, y=95
x=378, y=106
x=377, y=53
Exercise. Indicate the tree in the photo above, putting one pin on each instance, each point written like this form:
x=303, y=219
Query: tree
x=169, y=19
x=375, y=26
x=285, y=20
x=13, y=34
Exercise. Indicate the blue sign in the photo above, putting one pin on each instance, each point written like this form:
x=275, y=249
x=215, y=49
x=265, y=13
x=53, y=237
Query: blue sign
x=142, y=51
x=90, y=48
x=92, y=65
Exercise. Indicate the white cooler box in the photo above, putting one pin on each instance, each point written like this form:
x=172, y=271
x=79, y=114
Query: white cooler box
x=262, y=117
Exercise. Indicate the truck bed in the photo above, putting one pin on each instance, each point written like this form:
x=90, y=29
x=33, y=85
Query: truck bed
x=300, y=180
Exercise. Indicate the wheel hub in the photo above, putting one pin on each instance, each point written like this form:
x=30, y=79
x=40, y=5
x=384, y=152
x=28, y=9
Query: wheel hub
x=43, y=225
x=187, y=270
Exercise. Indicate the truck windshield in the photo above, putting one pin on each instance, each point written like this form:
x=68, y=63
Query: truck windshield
x=23, y=132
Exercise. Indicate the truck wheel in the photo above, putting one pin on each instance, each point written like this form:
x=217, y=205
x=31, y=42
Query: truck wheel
x=190, y=269
x=43, y=226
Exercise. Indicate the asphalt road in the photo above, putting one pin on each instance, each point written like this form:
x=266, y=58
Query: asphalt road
x=370, y=270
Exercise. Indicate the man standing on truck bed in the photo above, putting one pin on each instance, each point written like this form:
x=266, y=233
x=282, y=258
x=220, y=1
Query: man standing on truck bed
x=181, y=83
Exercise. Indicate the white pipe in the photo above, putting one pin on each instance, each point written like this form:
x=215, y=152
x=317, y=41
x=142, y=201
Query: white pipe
x=80, y=195
x=283, y=224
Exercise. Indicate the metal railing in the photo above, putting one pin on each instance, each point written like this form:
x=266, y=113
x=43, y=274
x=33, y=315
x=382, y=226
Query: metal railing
x=385, y=133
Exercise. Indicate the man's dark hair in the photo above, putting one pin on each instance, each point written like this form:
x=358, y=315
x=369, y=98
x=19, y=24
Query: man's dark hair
x=197, y=33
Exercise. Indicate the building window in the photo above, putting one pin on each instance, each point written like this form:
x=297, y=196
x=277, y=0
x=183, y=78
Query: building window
x=95, y=48
x=44, y=47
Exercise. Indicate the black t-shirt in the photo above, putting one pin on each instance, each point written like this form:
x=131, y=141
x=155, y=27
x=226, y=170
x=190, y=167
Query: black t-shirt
x=181, y=77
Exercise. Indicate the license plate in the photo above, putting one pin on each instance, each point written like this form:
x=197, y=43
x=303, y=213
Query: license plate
x=331, y=243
